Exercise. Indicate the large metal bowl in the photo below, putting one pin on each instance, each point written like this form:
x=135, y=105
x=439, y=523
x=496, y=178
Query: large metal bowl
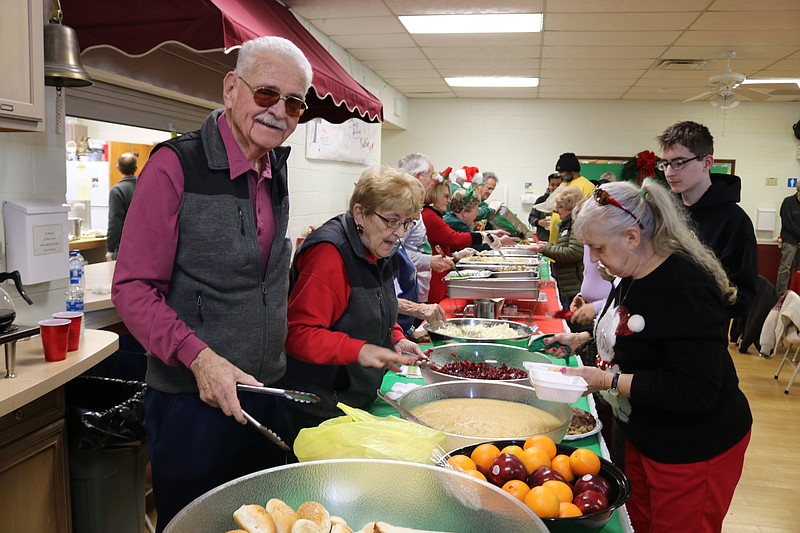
x=521, y=339
x=620, y=491
x=366, y=490
x=493, y=354
x=486, y=389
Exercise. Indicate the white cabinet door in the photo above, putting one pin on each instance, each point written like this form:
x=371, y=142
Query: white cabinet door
x=21, y=65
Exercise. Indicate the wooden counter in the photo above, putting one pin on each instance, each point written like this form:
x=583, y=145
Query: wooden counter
x=36, y=377
x=93, y=249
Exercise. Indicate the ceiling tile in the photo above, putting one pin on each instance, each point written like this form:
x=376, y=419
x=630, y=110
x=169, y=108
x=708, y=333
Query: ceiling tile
x=749, y=5
x=742, y=52
x=359, y=26
x=488, y=71
x=603, y=73
x=365, y=54
x=754, y=20
x=595, y=64
x=481, y=52
x=389, y=74
x=483, y=63
x=310, y=9
x=734, y=39
x=625, y=6
x=610, y=38
x=585, y=52
x=398, y=64
x=615, y=21
x=375, y=41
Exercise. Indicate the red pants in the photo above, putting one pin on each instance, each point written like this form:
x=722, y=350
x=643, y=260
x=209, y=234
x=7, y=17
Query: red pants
x=682, y=497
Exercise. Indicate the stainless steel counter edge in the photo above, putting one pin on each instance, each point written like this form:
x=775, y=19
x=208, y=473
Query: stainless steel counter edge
x=36, y=377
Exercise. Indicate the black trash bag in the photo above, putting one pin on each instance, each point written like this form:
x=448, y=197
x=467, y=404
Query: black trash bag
x=105, y=412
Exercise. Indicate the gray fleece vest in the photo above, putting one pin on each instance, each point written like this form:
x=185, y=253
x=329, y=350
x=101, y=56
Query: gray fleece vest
x=370, y=315
x=216, y=286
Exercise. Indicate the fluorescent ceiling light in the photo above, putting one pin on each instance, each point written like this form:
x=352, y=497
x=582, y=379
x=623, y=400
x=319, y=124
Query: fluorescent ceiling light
x=466, y=24
x=492, y=81
x=771, y=80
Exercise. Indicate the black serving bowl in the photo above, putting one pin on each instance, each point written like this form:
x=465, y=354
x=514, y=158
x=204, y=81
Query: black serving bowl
x=620, y=490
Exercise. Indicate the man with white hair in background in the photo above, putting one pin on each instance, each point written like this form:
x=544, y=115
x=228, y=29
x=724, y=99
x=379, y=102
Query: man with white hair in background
x=415, y=241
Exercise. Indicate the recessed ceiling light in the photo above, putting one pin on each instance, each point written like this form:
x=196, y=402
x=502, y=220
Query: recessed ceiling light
x=466, y=24
x=750, y=81
x=492, y=81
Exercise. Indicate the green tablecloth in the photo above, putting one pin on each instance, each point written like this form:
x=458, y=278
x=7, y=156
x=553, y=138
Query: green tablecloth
x=381, y=408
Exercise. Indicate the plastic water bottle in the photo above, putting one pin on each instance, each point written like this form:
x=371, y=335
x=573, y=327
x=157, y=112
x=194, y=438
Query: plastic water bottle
x=75, y=291
x=82, y=278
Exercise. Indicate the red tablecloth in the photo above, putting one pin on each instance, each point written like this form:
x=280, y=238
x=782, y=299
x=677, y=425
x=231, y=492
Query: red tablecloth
x=794, y=284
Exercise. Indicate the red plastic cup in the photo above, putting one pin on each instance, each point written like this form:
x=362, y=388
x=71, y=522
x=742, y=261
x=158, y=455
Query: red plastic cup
x=74, y=318
x=55, y=338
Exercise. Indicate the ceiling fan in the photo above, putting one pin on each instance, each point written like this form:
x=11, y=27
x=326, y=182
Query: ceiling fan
x=726, y=86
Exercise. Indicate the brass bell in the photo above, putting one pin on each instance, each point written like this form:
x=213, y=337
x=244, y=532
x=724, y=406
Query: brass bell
x=62, y=57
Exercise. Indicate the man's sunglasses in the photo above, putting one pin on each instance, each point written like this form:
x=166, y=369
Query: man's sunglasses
x=602, y=197
x=268, y=97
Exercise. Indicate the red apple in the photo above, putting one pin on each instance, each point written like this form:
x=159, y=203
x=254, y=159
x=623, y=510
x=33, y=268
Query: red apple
x=505, y=468
x=542, y=474
x=592, y=482
x=590, y=501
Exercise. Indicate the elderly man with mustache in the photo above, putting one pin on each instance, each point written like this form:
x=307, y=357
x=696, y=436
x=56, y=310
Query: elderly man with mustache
x=202, y=278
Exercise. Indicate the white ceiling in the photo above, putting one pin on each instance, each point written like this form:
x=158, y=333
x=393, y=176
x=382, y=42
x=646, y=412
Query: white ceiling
x=589, y=49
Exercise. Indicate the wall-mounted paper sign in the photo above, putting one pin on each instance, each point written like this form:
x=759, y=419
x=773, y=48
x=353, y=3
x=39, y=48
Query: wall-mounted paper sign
x=48, y=239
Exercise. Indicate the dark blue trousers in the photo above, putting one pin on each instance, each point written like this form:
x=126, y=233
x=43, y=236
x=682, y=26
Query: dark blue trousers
x=194, y=447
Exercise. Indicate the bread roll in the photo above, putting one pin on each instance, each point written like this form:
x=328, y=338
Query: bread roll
x=282, y=514
x=341, y=528
x=337, y=520
x=236, y=531
x=304, y=525
x=315, y=512
x=254, y=519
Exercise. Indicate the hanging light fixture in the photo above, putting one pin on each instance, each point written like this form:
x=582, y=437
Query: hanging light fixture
x=725, y=100
x=62, y=61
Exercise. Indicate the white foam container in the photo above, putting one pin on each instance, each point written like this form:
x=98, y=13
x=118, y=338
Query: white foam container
x=555, y=386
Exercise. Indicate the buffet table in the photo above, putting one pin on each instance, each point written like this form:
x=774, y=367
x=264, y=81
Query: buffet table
x=541, y=315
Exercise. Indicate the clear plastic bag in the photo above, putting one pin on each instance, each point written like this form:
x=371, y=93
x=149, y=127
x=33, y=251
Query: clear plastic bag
x=359, y=434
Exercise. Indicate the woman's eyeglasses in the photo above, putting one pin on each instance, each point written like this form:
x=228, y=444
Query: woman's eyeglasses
x=268, y=97
x=677, y=164
x=394, y=223
x=602, y=197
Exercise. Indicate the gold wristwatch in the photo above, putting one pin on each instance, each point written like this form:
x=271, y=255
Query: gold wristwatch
x=613, y=390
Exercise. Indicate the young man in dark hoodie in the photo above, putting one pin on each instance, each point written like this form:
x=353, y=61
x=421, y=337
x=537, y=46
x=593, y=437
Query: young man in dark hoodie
x=687, y=155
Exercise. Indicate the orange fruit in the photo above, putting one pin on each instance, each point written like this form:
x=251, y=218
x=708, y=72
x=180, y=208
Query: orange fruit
x=543, y=502
x=484, y=455
x=584, y=461
x=560, y=463
x=512, y=449
x=542, y=441
x=562, y=490
x=518, y=489
x=476, y=474
x=533, y=458
x=568, y=509
x=461, y=463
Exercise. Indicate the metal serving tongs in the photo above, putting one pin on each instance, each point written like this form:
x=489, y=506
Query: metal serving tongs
x=294, y=395
x=440, y=252
x=264, y=430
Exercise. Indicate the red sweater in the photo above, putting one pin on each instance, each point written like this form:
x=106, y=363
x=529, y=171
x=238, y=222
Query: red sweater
x=318, y=299
x=441, y=234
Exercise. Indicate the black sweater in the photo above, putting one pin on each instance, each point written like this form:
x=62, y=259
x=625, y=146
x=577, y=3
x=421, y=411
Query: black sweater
x=686, y=405
x=724, y=227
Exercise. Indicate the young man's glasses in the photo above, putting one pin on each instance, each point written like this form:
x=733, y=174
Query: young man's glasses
x=677, y=164
x=268, y=97
x=394, y=223
x=602, y=197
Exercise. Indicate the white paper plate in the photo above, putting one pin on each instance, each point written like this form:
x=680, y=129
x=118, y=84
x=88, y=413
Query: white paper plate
x=597, y=427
